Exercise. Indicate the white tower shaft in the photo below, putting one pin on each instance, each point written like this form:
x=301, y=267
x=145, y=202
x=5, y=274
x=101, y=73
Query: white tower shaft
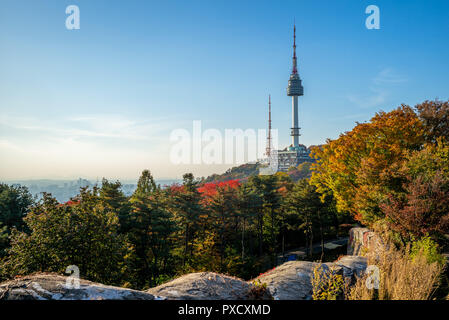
x=295, y=128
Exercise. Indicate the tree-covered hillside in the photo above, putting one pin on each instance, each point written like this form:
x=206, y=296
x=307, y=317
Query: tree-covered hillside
x=241, y=172
x=244, y=171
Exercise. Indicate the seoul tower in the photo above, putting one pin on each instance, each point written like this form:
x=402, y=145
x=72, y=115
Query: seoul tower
x=294, y=90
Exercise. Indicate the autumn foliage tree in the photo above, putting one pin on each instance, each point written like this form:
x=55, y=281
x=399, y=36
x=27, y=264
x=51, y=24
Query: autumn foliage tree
x=423, y=209
x=393, y=169
x=360, y=167
x=435, y=117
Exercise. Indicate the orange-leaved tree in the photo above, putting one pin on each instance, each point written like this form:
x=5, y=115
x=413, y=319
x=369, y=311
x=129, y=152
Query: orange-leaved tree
x=360, y=167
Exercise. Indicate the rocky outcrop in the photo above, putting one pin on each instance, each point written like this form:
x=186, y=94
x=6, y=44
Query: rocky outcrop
x=293, y=280
x=45, y=286
x=353, y=266
x=204, y=286
x=290, y=281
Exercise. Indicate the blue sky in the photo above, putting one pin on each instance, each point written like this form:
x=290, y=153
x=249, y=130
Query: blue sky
x=102, y=100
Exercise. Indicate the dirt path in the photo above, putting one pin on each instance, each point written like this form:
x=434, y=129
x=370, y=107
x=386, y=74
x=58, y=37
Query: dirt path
x=301, y=252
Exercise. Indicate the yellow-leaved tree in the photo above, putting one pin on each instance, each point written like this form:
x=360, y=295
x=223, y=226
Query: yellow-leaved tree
x=361, y=167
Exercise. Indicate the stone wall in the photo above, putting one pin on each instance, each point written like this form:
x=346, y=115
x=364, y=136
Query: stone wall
x=361, y=240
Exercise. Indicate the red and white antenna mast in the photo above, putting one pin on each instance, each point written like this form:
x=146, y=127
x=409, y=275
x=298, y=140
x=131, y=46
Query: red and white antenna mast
x=295, y=67
x=268, y=149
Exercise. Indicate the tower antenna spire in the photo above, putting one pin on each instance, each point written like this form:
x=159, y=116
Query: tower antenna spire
x=268, y=149
x=295, y=68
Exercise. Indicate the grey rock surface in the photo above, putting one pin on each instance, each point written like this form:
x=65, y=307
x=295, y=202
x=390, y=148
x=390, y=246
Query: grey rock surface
x=290, y=281
x=357, y=264
x=204, y=286
x=293, y=280
x=47, y=286
x=353, y=267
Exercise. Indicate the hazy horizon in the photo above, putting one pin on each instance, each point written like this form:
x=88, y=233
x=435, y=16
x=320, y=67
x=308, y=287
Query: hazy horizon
x=63, y=190
x=127, y=181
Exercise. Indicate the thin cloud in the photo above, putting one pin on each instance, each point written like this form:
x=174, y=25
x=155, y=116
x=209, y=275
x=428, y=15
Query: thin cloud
x=375, y=99
x=379, y=90
x=8, y=145
x=91, y=126
x=388, y=76
x=350, y=116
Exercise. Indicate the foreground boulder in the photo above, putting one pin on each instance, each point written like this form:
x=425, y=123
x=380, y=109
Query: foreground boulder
x=353, y=266
x=290, y=281
x=46, y=286
x=293, y=280
x=205, y=286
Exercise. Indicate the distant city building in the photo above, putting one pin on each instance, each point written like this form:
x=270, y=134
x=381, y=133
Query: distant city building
x=296, y=153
